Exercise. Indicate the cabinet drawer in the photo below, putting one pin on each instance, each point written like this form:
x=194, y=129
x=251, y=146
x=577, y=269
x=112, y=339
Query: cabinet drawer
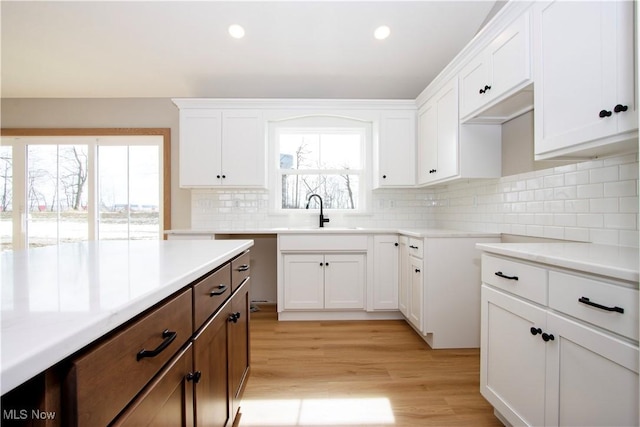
x=415, y=248
x=240, y=270
x=107, y=377
x=314, y=242
x=209, y=294
x=520, y=279
x=595, y=302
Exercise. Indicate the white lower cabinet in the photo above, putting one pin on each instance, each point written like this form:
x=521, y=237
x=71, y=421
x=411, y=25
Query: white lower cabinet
x=415, y=307
x=542, y=367
x=324, y=281
x=384, y=295
x=403, y=275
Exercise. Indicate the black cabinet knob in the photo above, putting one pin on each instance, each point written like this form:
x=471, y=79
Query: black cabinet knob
x=395, y=244
x=417, y=270
x=535, y=331
x=547, y=337
x=321, y=264
x=194, y=376
x=618, y=108
x=384, y=176
x=604, y=113
x=224, y=176
x=218, y=176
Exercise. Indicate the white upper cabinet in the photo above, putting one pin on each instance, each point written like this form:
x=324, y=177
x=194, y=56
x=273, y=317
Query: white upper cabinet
x=447, y=150
x=200, y=146
x=501, y=70
x=438, y=135
x=585, y=99
x=222, y=148
x=243, y=149
x=395, y=164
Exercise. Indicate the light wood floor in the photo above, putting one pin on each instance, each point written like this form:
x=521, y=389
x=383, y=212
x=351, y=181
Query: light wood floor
x=374, y=373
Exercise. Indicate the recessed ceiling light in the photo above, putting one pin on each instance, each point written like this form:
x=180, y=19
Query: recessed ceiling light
x=382, y=32
x=236, y=31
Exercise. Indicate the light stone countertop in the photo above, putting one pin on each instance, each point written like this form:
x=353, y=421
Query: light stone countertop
x=412, y=232
x=617, y=262
x=58, y=299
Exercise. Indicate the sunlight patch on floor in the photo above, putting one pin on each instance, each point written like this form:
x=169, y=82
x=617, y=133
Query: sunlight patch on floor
x=312, y=412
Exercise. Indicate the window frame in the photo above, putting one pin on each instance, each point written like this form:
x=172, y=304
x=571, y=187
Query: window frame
x=19, y=156
x=315, y=124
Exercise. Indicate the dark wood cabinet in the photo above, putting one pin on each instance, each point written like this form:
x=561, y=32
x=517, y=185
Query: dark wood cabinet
x=183, y=362
x=168, y=400
x=239, y=356
x=212, y=397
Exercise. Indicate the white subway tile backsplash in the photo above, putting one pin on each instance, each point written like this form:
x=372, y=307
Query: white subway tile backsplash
x=593, y=201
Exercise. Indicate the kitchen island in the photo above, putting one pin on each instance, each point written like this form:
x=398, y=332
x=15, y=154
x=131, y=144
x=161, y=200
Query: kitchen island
x=59, y=300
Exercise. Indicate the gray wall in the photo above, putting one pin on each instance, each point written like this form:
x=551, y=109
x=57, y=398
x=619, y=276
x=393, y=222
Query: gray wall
x=106, y=113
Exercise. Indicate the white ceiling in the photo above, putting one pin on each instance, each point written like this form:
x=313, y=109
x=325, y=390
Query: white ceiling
x=294, y=49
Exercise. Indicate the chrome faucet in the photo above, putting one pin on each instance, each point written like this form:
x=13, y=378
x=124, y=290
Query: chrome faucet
x=322, y=218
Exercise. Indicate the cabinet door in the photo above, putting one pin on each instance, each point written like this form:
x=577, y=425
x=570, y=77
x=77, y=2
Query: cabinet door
x=239, y=357
x=583, y=66
x=592, y=378
x=404, y=276
x=512, y=359
x=397, y=140
x=427, y=142
x=243, y=149
x=385, y=280
x=303, y=281
x=473, y=79
x=199, y=145
x=448, y=127
x=167, y=400
x=212, y=400
x=416, y=293
x=509, y=57
x=344, y=279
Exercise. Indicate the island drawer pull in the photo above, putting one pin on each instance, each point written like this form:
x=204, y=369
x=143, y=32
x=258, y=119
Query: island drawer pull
x=168, y=337
x=587, y=301
x=504, y=276
x=243, y=267
x=221, y=289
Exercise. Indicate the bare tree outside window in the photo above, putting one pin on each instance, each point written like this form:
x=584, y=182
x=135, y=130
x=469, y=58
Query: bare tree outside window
x=322, y=162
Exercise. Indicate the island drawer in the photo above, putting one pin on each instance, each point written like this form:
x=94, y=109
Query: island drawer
x=209, y=294
x=518, y=278
x=103, y=380
x=607, y=305
x=240, y=270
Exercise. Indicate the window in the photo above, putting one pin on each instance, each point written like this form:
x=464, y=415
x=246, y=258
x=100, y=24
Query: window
x=324, y=156
x=57, y=189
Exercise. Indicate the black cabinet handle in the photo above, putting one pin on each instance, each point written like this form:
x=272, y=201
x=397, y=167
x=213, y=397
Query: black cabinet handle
x=417, y=270
x=547, y=337
x=194, y=376
x=604, y=113
x=618, y=108
x=504, y=276
x=413, y=247
x=233, y=317
x=587, y=301
x=486, y=88
x=243, y=267
x=168, y=339
x=535, y=331
x=433, y=171
x=221, y=289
